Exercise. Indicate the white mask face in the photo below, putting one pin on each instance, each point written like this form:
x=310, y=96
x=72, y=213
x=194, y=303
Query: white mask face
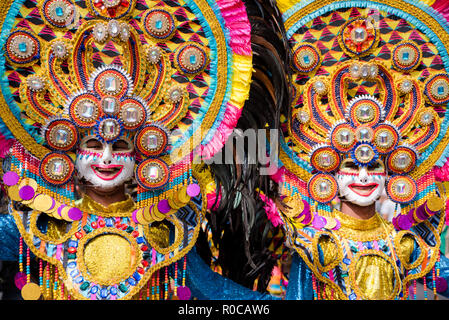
x=105, y=165
x=361, y=185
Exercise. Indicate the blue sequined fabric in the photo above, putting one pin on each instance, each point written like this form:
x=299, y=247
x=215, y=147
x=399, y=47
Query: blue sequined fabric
x=9, y=238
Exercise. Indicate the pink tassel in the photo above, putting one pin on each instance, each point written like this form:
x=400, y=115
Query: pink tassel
x=278, y=176
x=271, y=210
x=212, y=201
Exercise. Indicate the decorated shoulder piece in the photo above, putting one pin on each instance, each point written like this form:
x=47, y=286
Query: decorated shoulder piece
x=101, y=92
x=369, y=114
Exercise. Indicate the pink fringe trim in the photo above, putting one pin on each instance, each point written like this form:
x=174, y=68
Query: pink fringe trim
x=236, y=21
x=442, y=6
x=5, y=145
x=237, y=24
x=441, y=173
x=222, y=133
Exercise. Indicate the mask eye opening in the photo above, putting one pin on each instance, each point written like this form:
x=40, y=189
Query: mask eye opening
x=122, y=145
x=94, y=144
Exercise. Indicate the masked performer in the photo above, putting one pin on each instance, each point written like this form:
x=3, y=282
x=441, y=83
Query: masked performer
x=369, y=114
x=97, y=94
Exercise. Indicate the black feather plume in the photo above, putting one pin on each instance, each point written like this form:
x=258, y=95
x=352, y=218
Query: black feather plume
x=240, y=228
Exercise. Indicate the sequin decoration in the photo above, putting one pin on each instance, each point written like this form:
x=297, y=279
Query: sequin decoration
x=110, y=105
x=359, y=70
x=364, y=133
x=386, y=138
x=132, y=113
x=406, y=56
x=84, y=111
x=124, y=31
x=109, y=129
x=401, y=189
x=302, y=116
x=322, y=187
x=22, y=47
x=306, y=58
x=405, y=86
x=174, y=94
x=436, y=89
x=35, y=83
x=151, y=140
x=61, y=135
x=364, y=110
x=111, y=81
x=58, y=13
x=154, y=54
x=342, y=137
x=401, y=160
x=56, y=168
x=190, y=58
x=320, y=87
x=358, y=37
x=60, y=48
x=113, y=28
x=152, y=174
x=100, y=32
x=325, y=159
x=426, y=117
x=159, y=24
x=364, y=154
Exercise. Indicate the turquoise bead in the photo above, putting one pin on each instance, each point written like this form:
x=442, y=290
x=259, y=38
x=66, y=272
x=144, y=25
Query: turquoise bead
x=23, y=47
x=158, y=24
x=59, y=11
x=122, y=287
x=85, y=285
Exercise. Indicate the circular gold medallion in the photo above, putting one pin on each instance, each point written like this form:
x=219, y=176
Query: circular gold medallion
x=109, y=258
x=31, y=291
x=13, y=193
x=146, y=214
x=43, y=203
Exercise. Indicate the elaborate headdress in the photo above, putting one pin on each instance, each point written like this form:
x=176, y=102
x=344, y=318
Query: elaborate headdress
x=370, y=82
x=170, y=76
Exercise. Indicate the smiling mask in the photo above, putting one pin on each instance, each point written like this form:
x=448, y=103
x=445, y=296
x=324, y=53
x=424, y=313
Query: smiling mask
x=105, y=165
x=361, y=185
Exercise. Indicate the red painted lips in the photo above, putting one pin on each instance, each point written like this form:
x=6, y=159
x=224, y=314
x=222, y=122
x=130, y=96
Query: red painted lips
x=363, y=190
x=107, y=172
